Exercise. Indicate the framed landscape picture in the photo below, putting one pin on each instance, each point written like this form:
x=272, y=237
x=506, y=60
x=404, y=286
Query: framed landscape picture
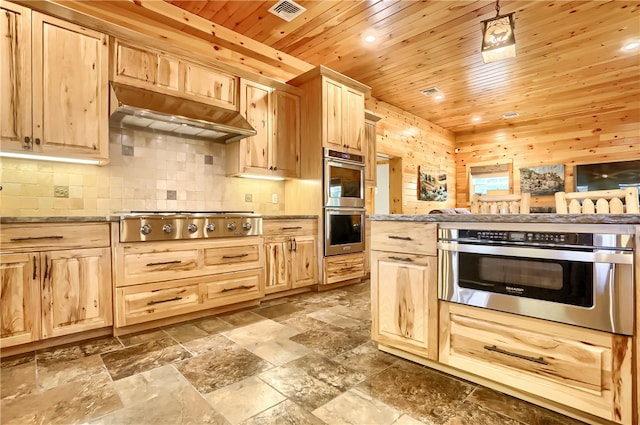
x=432, y=184
x=542, y=180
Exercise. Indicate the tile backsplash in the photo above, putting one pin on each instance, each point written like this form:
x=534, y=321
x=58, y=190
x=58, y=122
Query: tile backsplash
x=147, y=171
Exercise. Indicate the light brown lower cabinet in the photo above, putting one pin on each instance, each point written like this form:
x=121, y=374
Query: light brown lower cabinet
x=587, y=370
x=404, y=302
x=160, y=280
x=48, y=292
x=344, y=267
x=291, y=254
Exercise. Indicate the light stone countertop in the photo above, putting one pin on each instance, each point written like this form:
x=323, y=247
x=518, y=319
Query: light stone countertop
x=116, y=218
x=513, y=218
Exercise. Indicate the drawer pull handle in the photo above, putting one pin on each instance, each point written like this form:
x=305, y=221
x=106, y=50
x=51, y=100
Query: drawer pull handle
x=539, y=360
x=162, y=263
x=164, y=301
x=35, y=268
x=292, y=228
x=235, y=256
x=238, y=287
x=33, y=238
x=405, y=259
x=402, y=238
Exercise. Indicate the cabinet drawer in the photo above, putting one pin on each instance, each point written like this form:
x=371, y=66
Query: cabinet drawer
x=570, y=365
x=230, y=288
x=142, y=303
x=142, y=267
x=402, y=236
x=343, y=267
x=44, y=236
x=289, y=227
x=231, y=258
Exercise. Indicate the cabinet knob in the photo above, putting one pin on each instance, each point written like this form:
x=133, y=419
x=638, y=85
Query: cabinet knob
x=27, y=140
x=37, y=141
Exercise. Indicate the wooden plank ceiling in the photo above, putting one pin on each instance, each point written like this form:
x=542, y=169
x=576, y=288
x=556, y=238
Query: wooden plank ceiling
x=569, y=60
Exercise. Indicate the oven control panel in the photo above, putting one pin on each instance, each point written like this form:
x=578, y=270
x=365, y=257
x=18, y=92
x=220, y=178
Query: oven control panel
x=525, y=237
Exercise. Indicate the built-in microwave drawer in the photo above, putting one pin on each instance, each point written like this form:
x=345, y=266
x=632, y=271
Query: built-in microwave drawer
x=402, y=236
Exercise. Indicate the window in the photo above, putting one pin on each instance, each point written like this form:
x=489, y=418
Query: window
x=494, y=179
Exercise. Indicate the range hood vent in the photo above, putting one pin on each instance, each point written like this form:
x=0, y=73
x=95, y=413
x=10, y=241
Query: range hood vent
x=140, y=108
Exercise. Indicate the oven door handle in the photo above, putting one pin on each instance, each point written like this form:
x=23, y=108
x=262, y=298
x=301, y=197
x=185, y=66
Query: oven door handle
x=551, y=254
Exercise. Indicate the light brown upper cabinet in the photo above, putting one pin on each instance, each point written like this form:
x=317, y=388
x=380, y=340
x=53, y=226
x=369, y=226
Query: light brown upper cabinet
x=53, y=85
x=158, y=71
x=334, y=110
x=344, y=117
x=275, y=150
x=370, y=148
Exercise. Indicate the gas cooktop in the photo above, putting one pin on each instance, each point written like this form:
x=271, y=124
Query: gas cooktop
x=141, y=226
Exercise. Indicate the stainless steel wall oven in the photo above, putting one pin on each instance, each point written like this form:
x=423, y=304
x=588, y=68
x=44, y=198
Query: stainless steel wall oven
x=583, y=278
x=343, y=230
x=343, y=179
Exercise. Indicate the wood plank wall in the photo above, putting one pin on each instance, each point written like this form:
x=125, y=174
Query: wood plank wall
x=590, y=139
x=419, y=143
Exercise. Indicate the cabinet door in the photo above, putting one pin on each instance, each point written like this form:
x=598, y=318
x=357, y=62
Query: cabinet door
x=370, y=153
x=277, y=264
x=304, y=262
x=20, y=295
x=210, y=85
x=332, y=114
x=285, y=146
x=145, y=68
x=254, y=106
x=70, y=89
x=15, y=77
x=404, y=302
x=76, y=292
x=353, y=120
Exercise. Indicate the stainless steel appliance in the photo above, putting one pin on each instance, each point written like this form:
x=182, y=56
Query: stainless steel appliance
x=582, y=278
x=139, y=226
x=151, y=110
x=343, y=179
x=343, y=230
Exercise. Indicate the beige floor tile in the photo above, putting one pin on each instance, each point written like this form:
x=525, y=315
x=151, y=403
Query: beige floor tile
x=278, y=351
x=354, y=407
x=244, y=399
x=334, y=318
x=407, y=420
x=261, y=331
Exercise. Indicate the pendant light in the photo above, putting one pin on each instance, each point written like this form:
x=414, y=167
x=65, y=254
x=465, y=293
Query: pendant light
x=498, y=37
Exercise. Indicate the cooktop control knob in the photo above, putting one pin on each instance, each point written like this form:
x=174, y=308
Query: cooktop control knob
x=192, y=228
x=167, y=228
x=210, y=227
x=246, y=226
x=146, y=229
x=231, y=227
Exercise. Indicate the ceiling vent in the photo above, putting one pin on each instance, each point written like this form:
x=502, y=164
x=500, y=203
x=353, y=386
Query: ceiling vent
x=287, y=10
x=430, y=91
x=510, y=115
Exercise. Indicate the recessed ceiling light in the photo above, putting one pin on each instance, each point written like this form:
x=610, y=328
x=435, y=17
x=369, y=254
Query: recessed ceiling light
x=439, y=96
x=630, y=46
x=370, y=38
x=475, y=119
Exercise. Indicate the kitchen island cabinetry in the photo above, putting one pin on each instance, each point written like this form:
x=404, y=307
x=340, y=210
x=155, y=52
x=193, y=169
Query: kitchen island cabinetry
x=404, y=299
x=162, y=280
x=56, y=101
x=290, y=254
x=275, y=150
x=578, y=367
x=58, y=281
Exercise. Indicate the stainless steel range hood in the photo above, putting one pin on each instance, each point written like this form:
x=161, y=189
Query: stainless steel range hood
x=140, y=108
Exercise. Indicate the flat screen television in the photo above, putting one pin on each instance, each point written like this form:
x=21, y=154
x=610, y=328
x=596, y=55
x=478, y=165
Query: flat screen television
x=608, y=175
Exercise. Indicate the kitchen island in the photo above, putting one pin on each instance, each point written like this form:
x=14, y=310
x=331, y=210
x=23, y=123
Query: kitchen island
x=580, y=371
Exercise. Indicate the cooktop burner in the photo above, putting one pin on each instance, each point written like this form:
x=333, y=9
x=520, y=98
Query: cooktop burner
x=141, y=226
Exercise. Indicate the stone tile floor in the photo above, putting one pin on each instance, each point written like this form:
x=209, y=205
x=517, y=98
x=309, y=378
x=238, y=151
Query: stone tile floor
x=304, y=359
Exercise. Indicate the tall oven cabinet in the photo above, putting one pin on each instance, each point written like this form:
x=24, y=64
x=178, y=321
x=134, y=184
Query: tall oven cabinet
x=333, y=117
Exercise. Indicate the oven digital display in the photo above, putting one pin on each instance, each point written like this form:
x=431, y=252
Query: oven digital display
x=517, y=236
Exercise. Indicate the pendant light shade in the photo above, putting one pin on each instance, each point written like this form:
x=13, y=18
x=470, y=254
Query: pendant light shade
x=498, y=37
